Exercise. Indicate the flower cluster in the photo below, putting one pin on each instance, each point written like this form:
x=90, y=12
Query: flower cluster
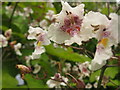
x=4, y=41
x=72, y=26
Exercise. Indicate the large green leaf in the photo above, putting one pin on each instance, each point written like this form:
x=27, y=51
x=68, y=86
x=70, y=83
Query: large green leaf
x=110, y=72
x=66, y=54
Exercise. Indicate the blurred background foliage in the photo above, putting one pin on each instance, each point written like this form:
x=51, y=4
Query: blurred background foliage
x=20, y=25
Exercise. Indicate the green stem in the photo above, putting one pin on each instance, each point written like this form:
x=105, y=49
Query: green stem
x=101, y=77
x=12, y=14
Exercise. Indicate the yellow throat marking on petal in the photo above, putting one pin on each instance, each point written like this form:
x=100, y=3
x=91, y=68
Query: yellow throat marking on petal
x=104, y=41
x=39, y=43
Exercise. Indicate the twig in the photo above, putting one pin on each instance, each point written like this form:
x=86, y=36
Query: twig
x=72, y=77
x=112, y=65
x=77, y=48
x=12, y=14
x=101, y=77
x=113, y=82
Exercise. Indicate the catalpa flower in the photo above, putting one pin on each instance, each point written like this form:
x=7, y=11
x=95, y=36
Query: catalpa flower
x=84, y=68
x=49, y=15
x=17, y=48
x=3, y=41
x=106, y=31
x=57, y=81
x=37, y=68
x=41, y=36
x=44, y=24
x=69, y=27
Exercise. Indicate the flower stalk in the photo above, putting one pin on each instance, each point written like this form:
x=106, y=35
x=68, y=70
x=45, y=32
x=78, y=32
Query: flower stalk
x=10, y=20
x=101, y=77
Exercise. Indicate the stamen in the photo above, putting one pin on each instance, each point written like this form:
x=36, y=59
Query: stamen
x=67, y=12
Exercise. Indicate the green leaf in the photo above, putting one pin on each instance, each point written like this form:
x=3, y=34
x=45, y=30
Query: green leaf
x=111, y=72
x=34, y=83
x=117, y=82
x=93, y=75
x=8, y=75
x=66, y=54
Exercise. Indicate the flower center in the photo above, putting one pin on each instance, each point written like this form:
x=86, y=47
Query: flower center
x=72, y=24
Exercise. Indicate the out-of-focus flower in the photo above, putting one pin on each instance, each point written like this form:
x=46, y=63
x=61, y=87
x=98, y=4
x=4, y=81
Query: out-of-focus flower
x=44, y=24
x=106, y=31
x=84, y=68
x=27, y=11
x=49, y=15
x=3, y=41
x=34, y=23
x=69, y=27
x=35, y=56
x=8, y=9
x=28, y=58
x=75, y=68
x=67, y=67
x=57, y=81
x=118, y=1
x=88, y=86
x=19, y=79
x=17, y=48
x=37, y=68
x=104, y=82
x=8, y=33
x=95, y=85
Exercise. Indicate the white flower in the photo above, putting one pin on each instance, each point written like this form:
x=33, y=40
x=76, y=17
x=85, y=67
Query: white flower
x=43, y=24
x=67, y=67
x=37, y=68
x=27, y=11
x=75, y=68
x=57, y=81
x=28, y=58
x=49, y=15
x=95, y=85
x=19, y=79
x=17, y=47
x=3, y=41
x=69, y=27
x=39, y=49
x=88, y=86
x=35, y=56
x=42, y=39
x=84, y=68
x=106, y=31
x=8, y=33
x=33, y=32
x=34, y=23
